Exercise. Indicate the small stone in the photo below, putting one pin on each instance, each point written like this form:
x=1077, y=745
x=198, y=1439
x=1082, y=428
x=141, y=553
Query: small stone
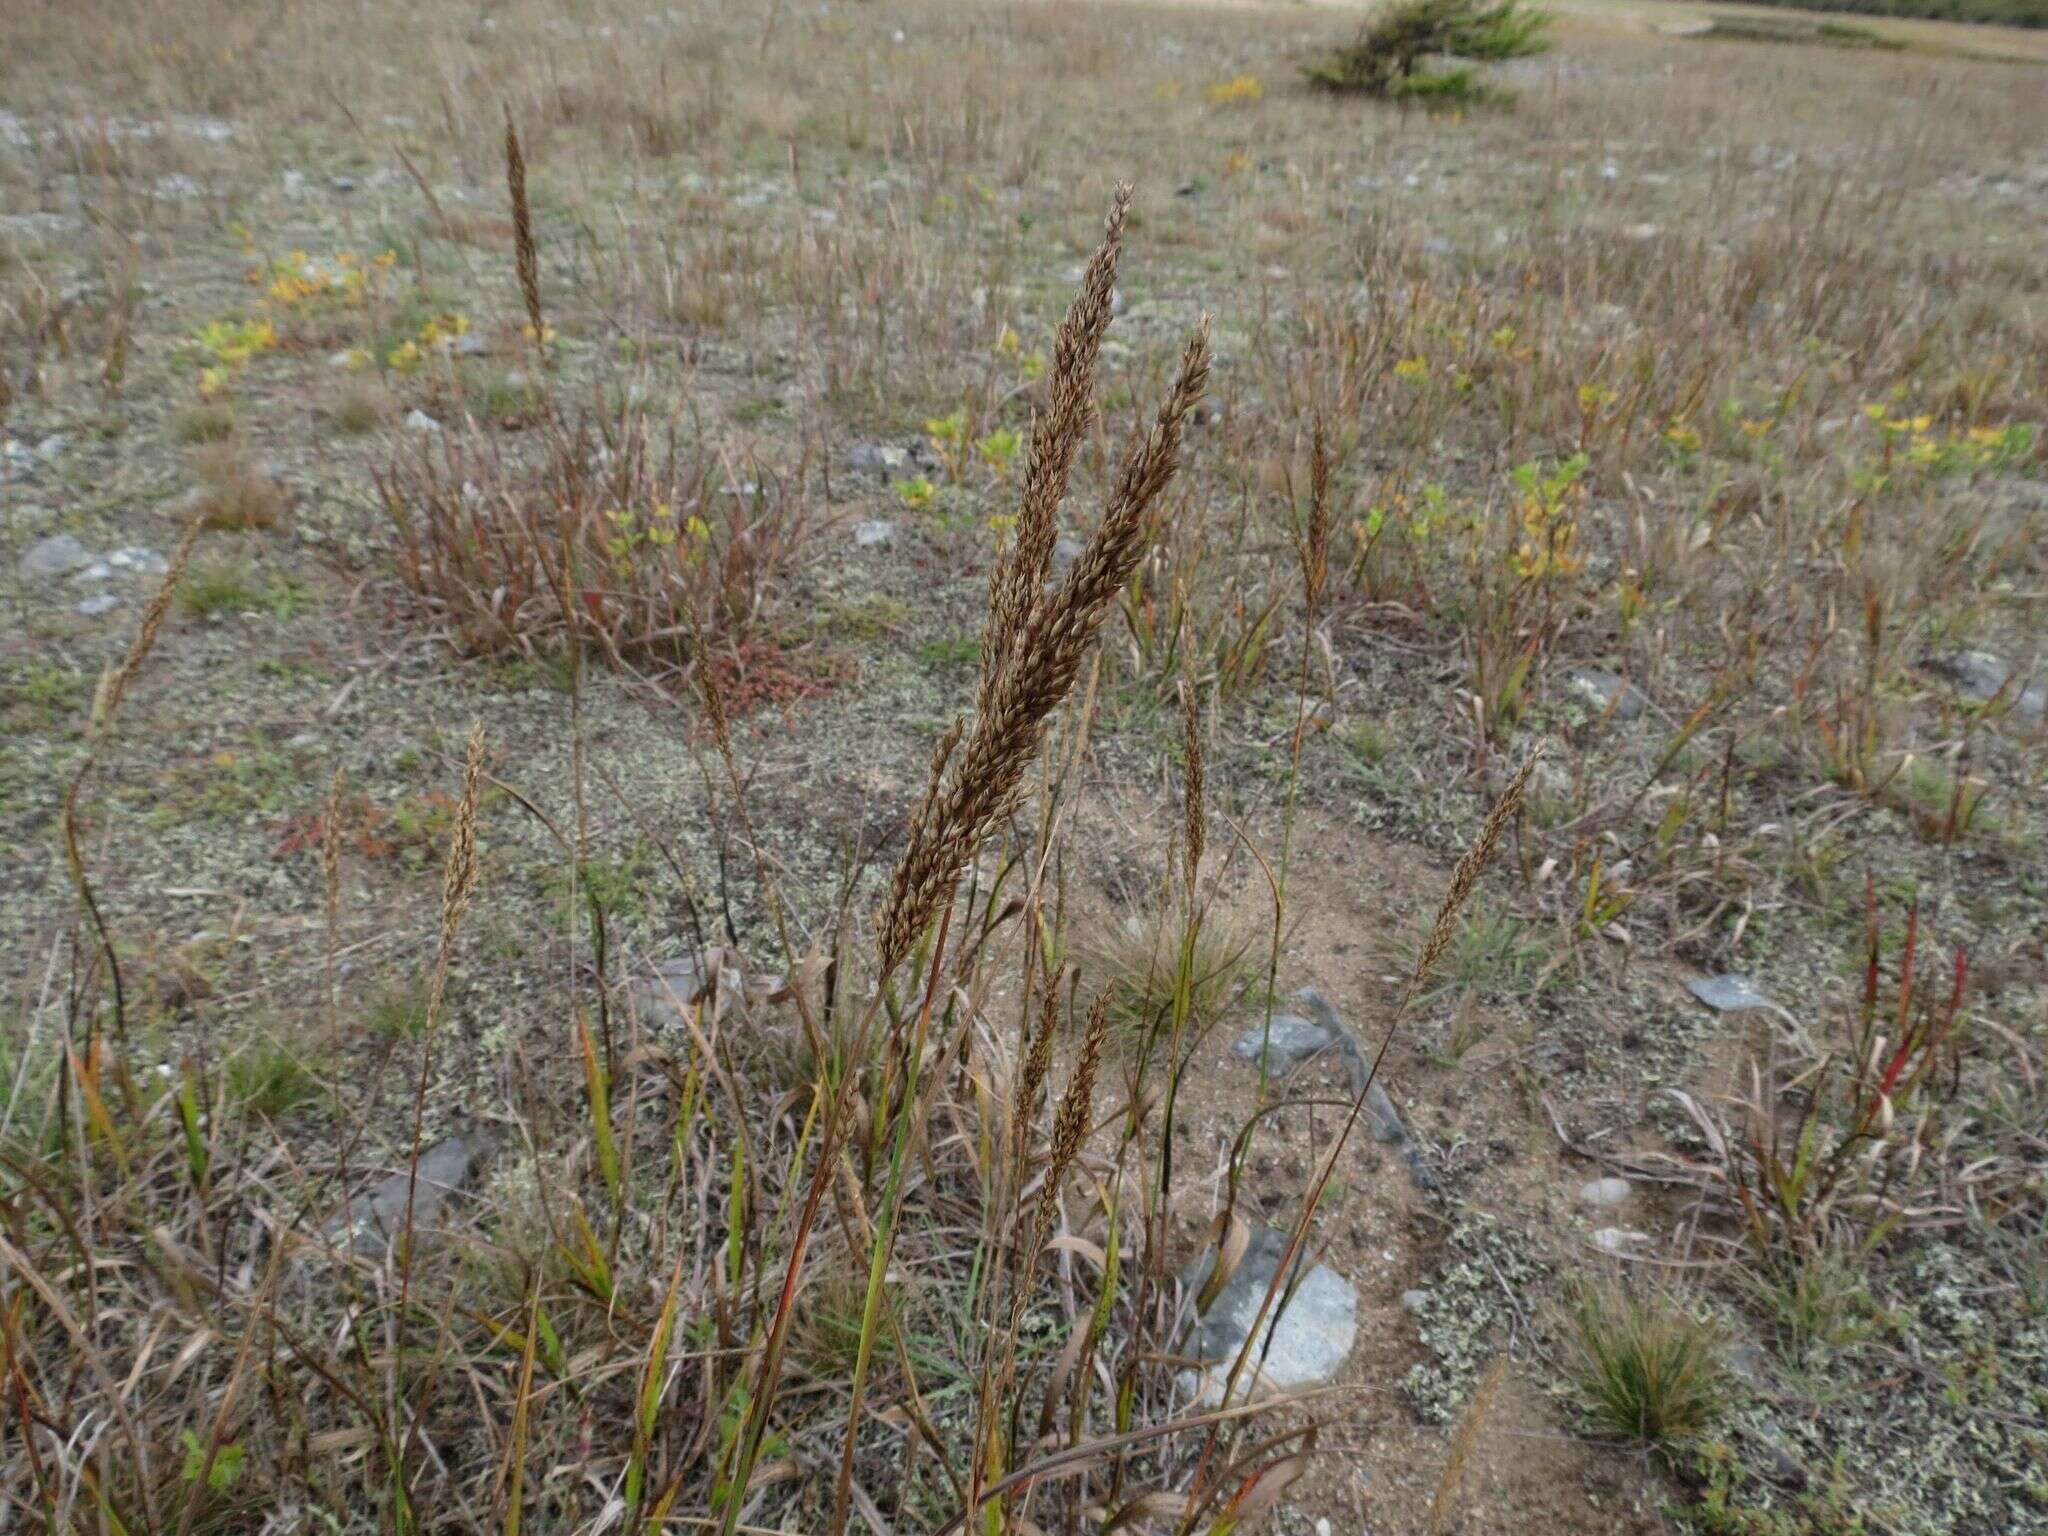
x=1607, y=1191
x=57, y=555
x=1981, y=677
x=53, y=445
x=1727, y=994
x=1187, y=189
x=294, y=183
x=345, y=358
x=135, y=558
x=873, y=533
x=1608, y=694
x=1414, y=1301
x=469, y=344
x=343, y=184
x=1618, y=1239
x=99, y=570
x=1306, y=1345
x=367, y=1225
x=99, y=603
x=417, y=420
x=1748, y=1361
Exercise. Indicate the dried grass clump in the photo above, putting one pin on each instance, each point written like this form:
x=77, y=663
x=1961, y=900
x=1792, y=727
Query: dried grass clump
x=610, y=538
x=236, y=496
x=1132, y=961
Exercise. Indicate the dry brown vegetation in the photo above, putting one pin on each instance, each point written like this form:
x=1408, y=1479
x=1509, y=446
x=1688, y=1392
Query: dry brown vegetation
x=652, y=590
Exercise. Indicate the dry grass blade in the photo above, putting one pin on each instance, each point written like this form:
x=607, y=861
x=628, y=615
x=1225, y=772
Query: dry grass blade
x=1443, y=1504
x=1466, y=875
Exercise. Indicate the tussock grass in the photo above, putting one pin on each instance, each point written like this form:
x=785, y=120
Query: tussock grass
x=1132, y=960
x=1648, y=1368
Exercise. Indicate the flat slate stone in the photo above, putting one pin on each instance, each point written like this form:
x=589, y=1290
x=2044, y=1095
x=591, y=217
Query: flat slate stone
x=1607, y=692
x=1291, y=1041
x=367, y=1225
x=883, y=459
x=1305, y=1345
x=1727, y=994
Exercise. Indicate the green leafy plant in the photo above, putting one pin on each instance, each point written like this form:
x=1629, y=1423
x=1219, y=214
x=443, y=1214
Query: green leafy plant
x=1388, y=58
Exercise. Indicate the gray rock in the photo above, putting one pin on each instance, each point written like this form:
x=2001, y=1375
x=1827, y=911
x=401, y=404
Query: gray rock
x=366, y=1226
x=1291, y=1041
x=1747, y=1360
x=58, y=555
x=1727, y=994
x=669, y=986
x=1382, y=1119
x=1306, y=1338
x=1414, y=1301
x=1606, y=692
x=873, y=533
x=1607, y=1191
x=469, y=344
x=1319, y=1027
x=99, y=570
x=1981, y=677
x=1618, y=1239
x=103, y=602
x=673, y=986
x=880, y=459
x=417, y=420
x=342, y=183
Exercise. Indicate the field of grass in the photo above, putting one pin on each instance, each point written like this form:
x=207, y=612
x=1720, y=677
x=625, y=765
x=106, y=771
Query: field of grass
x=664, y=723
